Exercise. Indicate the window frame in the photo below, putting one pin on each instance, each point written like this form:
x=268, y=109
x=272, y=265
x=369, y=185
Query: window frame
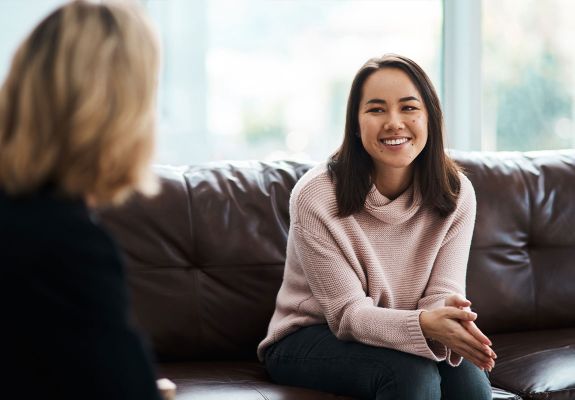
x=462, y=78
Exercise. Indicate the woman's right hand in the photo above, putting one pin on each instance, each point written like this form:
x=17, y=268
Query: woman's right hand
x=445, y=325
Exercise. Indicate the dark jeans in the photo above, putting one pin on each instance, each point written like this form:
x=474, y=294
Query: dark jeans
x=314, y=358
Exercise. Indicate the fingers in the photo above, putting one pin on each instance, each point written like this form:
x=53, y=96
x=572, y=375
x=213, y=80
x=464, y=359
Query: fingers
x=465, y=341
x=462, y=315
x=476, y=345
x=476, y=332
x=457, y=300
x=446, y=325
x=479, y=359
x=482, y=354
x=472, y=349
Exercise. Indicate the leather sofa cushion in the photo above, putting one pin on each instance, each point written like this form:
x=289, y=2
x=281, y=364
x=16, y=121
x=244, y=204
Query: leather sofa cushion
x=245, y=381
x=537, y=365
x=232, y=380
x=500, y=394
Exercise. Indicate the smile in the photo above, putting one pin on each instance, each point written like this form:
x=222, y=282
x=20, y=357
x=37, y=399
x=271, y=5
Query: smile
x=393, y=142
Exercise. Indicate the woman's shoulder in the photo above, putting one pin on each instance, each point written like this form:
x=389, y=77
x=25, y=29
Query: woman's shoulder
x=466, y=190
x=314, y=190
x=466, y=201
x=46, y=223
x=316, y=180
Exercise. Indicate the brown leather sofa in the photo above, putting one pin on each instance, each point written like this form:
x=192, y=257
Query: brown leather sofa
x=205, y=260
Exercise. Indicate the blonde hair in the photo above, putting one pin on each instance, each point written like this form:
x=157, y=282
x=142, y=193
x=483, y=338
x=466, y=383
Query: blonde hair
x=77, y=109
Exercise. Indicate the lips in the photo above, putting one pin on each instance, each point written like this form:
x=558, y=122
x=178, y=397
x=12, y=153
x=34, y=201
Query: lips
x=394, y=141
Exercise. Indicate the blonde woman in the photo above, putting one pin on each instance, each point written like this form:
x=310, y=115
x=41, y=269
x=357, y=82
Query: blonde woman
x=76, y=131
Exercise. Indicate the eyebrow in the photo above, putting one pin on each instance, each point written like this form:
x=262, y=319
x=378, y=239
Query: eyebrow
x=381, y=101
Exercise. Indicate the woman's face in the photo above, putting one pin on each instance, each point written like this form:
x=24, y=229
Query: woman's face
x=392, y=120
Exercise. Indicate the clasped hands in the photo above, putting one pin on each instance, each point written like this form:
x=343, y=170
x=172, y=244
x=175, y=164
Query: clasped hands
x=453, y=326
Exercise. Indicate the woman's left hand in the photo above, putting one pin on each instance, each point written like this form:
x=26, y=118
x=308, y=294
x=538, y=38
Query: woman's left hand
x=457, y=300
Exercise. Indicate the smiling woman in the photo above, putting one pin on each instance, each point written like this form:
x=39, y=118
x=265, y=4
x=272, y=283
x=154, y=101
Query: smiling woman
x=372, y=303
x=389, y=97
x=392, y=127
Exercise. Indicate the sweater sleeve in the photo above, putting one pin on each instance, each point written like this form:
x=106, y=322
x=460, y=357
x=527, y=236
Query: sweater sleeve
x=349, y=312
x=450, y=266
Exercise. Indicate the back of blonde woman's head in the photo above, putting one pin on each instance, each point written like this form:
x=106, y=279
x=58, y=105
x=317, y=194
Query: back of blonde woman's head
x=77, y=109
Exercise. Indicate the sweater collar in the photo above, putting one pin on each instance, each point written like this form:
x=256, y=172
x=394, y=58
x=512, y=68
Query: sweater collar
x=393, y=211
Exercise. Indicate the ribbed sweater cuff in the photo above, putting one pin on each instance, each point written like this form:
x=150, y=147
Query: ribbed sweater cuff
x=422, y=347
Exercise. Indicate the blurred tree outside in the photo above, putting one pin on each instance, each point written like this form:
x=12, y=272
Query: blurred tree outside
x=528, y=65
x=260, y=127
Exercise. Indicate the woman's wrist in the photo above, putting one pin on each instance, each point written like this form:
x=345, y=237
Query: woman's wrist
x=423, y=324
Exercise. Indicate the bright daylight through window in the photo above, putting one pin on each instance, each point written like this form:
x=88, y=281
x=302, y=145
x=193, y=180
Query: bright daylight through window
x=528, y=74
x=268, y=79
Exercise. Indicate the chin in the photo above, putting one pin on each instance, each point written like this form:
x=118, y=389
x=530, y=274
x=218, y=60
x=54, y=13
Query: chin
x=398, y=164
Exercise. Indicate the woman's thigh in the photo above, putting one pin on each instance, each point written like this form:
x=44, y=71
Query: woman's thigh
x=464, y=382
x=314, y=358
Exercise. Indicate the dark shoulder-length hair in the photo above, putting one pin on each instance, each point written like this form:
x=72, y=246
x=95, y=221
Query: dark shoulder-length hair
x=351, y=166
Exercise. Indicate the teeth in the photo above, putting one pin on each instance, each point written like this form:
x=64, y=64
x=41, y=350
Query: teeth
x=394, y=141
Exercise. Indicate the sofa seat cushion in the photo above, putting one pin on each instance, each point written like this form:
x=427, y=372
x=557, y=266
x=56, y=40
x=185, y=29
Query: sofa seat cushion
x=536, y=364
x=244, y=380
x=231, y=380
x=500, y=394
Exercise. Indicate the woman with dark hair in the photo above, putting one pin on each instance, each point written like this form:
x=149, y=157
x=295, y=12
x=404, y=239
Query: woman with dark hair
x=373, y=303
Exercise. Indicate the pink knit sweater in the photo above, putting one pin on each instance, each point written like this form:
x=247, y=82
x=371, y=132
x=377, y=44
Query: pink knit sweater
x=370, y=275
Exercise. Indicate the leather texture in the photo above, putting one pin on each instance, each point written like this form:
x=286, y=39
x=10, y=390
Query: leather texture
x=245, y=380
x=205, y=260
x=524, y=242
x=232, y=380
x=536, y=364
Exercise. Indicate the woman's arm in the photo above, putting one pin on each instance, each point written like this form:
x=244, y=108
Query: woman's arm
x=448, y=280
x=450, y=265
x=349, y=312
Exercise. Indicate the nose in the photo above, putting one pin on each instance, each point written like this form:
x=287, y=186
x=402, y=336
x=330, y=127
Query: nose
x=393, y=122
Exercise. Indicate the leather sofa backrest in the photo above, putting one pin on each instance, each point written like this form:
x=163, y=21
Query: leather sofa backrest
x=205, y=257
x=521, y=273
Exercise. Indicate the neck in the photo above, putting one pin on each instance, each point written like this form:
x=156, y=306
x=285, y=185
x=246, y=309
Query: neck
x=392, y=182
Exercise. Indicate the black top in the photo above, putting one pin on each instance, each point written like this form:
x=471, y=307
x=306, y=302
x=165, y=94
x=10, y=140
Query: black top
x=65, y=331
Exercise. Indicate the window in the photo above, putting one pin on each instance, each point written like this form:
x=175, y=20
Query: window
x=261, y=79
x=269, y=79
x=528, y=74
x=17, y=18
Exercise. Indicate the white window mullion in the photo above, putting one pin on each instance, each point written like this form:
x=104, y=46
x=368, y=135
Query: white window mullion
x=183, y=136
x=462, y=74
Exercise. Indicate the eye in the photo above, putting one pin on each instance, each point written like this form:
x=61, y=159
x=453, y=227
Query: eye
x=410, y=108
x=376, y=110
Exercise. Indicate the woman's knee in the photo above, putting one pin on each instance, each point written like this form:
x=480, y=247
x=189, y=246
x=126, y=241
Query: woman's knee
x=464, y=382
x=406, y=376
x=314, y=358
